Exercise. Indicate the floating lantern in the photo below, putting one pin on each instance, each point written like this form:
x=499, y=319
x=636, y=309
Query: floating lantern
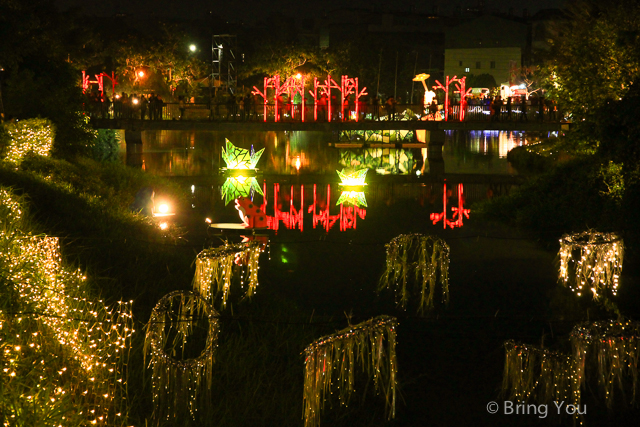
x=240, y=158
x=416, y=255
x=591, y=260
x=354, y=179
x=179, y=381
x=332, y=359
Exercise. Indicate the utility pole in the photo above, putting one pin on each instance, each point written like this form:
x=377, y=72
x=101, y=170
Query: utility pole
x=415, y=67
x=379, y=67
x=395, y=84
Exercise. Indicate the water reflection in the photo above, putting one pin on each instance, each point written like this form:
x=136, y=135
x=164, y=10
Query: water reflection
x=459, y=212
x=193, y=153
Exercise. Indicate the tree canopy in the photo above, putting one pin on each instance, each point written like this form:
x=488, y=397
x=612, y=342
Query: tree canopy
x=594, y=55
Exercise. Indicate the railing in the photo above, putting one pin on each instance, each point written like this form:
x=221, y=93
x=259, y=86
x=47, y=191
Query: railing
x=321, y=113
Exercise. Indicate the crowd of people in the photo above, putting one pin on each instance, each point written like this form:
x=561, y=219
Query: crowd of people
x=250, y=107
x=125, y=106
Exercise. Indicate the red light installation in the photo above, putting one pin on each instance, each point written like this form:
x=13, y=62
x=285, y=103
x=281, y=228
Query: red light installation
x=292, y=86
x=446, y=93
x=459, y=212
x=464, y=92
x=320, y=209
x=347, y=216
x=350, y=86
x=292, y=219
x=100, y=81
x=269, y=82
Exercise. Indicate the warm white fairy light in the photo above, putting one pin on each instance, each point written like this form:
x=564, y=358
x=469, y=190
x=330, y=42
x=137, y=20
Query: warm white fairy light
x=591, y=260
x=422, y=257
x=177, y=382
x=331, y=361
x=216, y=266
x=539, y=375
x=33, y=135
x=61, y=350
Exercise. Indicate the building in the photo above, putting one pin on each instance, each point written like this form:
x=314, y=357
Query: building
x=487, y=44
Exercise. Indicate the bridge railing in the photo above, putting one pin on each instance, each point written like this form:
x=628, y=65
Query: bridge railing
x=320, y=113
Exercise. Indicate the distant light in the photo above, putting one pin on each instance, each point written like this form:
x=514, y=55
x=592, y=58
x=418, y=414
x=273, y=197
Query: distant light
x=164, y=226
x=418, y=172
x=192, y=47
x=207, y=220
x=298, y=163
x=163, y=208
x=135, y=100
x=140, y=73
x=298, y=76
x=193, y=189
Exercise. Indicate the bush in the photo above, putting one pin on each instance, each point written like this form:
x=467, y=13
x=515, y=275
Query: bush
x=27, y=136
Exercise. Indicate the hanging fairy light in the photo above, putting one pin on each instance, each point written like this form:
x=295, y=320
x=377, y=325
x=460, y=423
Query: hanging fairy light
x=330, y=362
x=538, y=375
x=426, y=258
x=615, y=348
x=591, y=260
x=179, y=381
x=216, y=267
x=67, y=351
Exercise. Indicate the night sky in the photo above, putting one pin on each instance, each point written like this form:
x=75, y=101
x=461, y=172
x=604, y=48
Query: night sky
x=252, y=10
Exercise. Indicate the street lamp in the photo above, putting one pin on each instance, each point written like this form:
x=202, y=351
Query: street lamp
x=192, y=47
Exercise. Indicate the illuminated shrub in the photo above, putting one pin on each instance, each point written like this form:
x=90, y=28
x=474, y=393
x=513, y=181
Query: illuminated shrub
x=25, y=136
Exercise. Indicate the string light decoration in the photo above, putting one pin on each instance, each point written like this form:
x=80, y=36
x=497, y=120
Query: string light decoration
x=421, y=256
x=614, y=347
x=591, y=259
x=33, y=135
x=215, y=267
x=538, y=375
x=331, y=361
x=179, y=383
x=64, y=356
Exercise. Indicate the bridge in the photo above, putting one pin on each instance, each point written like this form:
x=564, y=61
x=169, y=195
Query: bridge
x=224, y=118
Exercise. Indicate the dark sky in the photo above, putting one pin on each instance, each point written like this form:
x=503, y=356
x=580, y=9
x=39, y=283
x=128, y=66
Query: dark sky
x=252, y=10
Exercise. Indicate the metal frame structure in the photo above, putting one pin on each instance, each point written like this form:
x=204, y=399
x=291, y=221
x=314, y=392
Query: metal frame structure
x=223, y=62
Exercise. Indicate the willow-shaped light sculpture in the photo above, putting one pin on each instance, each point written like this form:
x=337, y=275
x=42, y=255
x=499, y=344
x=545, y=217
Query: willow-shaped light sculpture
x=537, y=375
x=592, y=260
x=426, y=259
x=331, y=362
x=615, y=349
x=179, y=384
x=216, y=266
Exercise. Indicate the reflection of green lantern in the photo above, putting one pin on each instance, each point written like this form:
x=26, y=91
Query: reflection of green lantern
x=352, y=185
x=240, y=171
x=352, y=198
x=239, y=186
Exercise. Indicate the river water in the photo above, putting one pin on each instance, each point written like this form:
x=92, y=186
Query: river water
x=325, y=259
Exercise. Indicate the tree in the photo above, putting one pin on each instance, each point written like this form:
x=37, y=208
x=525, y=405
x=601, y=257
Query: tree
x=593, y=55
